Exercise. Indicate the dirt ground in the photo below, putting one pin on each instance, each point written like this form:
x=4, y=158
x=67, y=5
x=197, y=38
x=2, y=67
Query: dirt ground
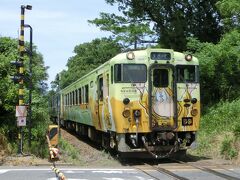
x=90, y=154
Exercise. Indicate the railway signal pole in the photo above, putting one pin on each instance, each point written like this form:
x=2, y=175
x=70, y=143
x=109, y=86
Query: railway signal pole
x=30, y=86
x=19, y=78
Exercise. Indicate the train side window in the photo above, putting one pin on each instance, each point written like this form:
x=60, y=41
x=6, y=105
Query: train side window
x=83, y=95
x=107, y=85
x=100, y=89
x=86, y=93
x=73, y=97
x=118, y=72
x=80, y=95
x=65, y=100
x=76, y=93
x=160, y=78
x=68, y=100
x=111, y=74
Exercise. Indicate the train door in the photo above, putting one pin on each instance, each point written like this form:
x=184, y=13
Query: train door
x=162, y=109
x=103, y=94
x=100, y=100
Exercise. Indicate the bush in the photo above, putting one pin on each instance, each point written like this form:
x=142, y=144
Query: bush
x=220, y=131
x=227, y=148
x=68, y=152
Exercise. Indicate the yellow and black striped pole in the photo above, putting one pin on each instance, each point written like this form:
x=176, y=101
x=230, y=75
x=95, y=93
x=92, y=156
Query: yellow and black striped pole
x=21, y=75
x=21, y=71
x=21, y=58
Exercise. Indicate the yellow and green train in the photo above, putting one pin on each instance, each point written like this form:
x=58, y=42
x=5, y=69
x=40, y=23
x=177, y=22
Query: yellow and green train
x=144, y=101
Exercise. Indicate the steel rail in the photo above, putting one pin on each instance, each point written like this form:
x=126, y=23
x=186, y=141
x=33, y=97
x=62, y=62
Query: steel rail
x=211, y=171
x=166, y=172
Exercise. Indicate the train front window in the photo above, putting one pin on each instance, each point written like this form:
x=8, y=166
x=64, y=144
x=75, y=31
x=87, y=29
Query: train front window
x=160, y=78
x=187, y=73
x=130, y=73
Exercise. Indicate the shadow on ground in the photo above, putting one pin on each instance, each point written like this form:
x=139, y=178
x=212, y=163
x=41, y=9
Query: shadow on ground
x=152, y=161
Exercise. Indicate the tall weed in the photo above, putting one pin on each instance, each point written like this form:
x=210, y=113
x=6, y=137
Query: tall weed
x=219, y=132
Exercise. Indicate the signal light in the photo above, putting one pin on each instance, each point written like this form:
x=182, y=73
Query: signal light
x=16, y=78
x=17, y=63
x=29, y=7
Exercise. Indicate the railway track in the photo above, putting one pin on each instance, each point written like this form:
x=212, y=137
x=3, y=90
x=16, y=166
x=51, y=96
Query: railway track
x=162, y=171
x=208, y=170
x=158, y=171
x=172, y=175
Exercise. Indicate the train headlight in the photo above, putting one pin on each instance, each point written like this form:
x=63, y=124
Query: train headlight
x=126, y=113
x=194, y=112
x=188, y=57
x=130, y=55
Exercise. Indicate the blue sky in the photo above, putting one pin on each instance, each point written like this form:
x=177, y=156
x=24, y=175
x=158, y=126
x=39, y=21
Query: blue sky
x=58, y=26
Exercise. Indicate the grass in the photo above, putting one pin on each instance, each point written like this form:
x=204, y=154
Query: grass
x=69, y=153
x=219, y=134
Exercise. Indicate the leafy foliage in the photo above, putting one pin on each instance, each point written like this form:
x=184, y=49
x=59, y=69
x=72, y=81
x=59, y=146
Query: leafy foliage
x=219, y=130
x=230, y=10
x=9, y=93
x=88, y=56
x=170, y=21
x=227, y=148
x=219, y=67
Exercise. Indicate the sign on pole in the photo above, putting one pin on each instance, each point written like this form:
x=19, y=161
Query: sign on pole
x=21, y=121
x=21, y=111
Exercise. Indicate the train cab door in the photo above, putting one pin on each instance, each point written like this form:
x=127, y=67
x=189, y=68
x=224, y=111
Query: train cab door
x=103, y=94
x=99, y=100
x=161, y=97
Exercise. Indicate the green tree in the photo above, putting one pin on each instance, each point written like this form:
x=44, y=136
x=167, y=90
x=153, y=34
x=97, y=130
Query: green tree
x=219, y=67
x=170, y=21
x=9, y=91
x=88, y=56
x=230, y=11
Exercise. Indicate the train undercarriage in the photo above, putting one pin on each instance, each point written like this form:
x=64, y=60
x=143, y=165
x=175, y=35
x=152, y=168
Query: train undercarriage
x=157, y=144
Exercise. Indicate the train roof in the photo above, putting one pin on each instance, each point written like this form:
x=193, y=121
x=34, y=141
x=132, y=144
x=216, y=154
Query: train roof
x=143, y=56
